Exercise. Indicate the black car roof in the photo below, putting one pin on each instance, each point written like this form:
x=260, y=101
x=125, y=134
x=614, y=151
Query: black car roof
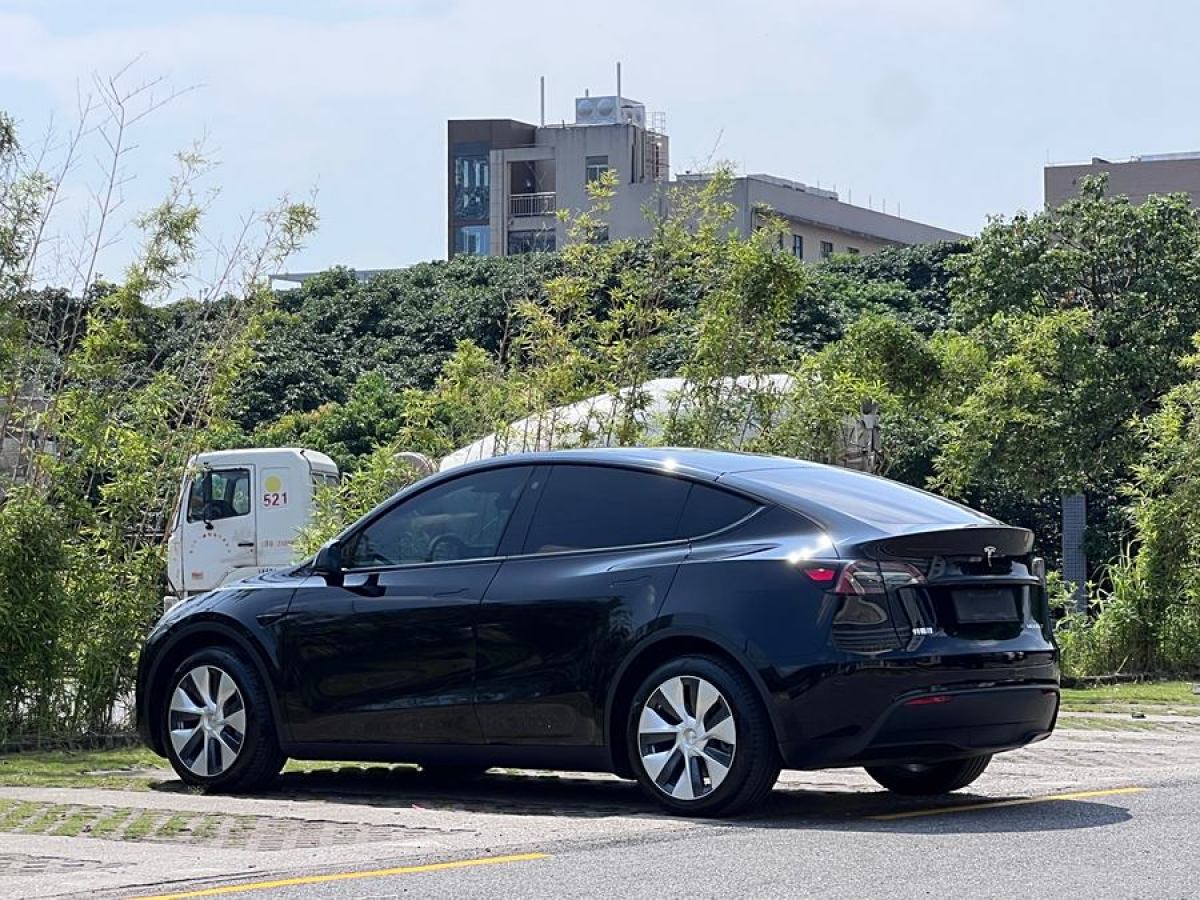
x=843, y=501
x=712, y=463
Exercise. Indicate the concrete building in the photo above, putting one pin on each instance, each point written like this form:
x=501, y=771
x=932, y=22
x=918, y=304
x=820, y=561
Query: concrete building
x=1136, y=178
x=507, y=179
x=298, y=278
x=818, y=223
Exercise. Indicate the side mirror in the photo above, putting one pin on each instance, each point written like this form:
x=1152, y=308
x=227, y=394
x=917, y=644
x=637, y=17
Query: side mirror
x=1037, y=568
x=328, y=562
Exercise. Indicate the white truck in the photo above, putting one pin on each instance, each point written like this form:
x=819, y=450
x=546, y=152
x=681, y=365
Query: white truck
x=239, y=512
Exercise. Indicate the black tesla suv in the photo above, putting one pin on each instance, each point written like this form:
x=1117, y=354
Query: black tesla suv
x=696, y=620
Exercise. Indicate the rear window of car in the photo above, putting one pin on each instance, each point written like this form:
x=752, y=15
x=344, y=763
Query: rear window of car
x=710, y=509
x=868, y=498
x=588, y=507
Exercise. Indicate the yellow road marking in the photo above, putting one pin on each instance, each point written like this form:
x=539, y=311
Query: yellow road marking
x=346, y=876
x=1023, y=801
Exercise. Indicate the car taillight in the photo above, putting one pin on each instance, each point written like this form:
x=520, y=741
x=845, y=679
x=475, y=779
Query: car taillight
x=863, y=578
x=928, y=700
x=821, y=574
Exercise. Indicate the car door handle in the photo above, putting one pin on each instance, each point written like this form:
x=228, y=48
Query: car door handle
x=630, y=582
x=454, y=593
x=245, y=543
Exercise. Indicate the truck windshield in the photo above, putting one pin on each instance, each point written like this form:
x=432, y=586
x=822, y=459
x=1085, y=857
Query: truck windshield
x=219, y=494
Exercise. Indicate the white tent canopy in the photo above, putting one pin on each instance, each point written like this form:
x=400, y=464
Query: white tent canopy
x=593, y=422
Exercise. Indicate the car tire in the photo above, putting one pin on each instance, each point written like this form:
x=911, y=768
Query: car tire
x=219, y=732
x=699, y=739
x=930, y=778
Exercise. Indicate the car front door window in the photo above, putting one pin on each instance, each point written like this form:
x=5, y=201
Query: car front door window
x=461, y=519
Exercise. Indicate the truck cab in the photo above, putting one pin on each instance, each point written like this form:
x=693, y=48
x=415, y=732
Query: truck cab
x=239, y=514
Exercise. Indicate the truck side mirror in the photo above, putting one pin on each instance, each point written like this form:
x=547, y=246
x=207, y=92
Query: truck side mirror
x=328, y=562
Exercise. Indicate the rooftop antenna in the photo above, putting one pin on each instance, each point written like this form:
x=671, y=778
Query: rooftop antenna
x=618, y=84
x=542, y=92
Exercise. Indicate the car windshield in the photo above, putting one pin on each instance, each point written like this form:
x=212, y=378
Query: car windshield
x=868, y=498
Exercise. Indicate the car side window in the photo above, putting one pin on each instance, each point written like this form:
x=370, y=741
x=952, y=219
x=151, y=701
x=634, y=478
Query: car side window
x=460, y=519
x=710, y=509
x=588, y=507
x=219, y=494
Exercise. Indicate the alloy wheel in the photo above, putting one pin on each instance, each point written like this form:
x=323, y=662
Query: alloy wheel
x=207, y=720
x=687, y=737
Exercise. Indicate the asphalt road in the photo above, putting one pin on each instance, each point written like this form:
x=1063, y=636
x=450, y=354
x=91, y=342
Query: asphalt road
x=1112, y=842
x=1088, y=813
x=1124, y=846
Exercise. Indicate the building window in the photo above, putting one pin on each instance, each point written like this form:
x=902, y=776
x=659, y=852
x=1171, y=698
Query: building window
x=596, y=166
x=598, y=234
x=853, y=251
x=472, y=240
x=798, y=246
x=826, y=249
x=472, y=183
x=540, y=241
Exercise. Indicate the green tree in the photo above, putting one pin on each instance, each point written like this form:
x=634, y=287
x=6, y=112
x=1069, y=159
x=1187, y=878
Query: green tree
x=97, y=428
x=1085, y=312
x=1161, y=612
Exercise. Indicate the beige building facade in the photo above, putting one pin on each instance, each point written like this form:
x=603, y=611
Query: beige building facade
x=1136, y=178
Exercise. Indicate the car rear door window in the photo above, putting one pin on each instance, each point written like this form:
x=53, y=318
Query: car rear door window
x=711, y=509
x=589, y=507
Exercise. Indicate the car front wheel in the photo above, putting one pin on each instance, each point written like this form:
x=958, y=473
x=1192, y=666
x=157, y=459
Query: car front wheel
x=930, y=778
x=219, y=732
x=700, y=740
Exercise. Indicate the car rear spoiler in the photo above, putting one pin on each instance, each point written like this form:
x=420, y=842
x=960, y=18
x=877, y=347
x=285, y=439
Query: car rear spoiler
x=983, y=541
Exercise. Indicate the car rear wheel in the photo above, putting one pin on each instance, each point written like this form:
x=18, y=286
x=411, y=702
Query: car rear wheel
x=930, y=778
x=218, y=727
x=700, y=740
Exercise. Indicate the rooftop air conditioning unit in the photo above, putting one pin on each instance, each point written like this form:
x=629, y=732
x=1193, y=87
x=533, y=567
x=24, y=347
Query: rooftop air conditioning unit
x=609, y=111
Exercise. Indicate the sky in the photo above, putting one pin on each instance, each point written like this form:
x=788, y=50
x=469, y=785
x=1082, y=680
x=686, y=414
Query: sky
x=947, y=109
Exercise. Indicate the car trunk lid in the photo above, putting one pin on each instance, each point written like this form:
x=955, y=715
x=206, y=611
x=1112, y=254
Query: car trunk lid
x=973, y=584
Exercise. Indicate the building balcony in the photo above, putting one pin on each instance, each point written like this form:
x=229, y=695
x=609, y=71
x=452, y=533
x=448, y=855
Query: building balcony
x=526, y=205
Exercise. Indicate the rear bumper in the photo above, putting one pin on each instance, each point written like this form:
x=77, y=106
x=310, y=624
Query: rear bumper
x=916, y=722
